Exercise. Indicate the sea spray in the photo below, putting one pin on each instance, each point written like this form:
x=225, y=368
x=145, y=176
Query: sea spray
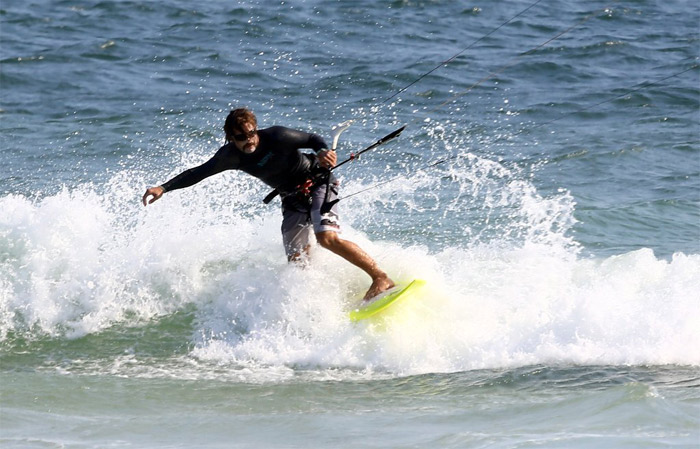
x=507, y=286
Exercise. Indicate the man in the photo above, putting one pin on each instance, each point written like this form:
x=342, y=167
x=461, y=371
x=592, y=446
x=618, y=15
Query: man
x=272, y=155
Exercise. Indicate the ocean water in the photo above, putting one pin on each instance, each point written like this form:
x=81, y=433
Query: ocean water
x=547, y=187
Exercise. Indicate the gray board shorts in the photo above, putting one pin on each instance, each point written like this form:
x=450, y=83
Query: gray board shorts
x=300, y=221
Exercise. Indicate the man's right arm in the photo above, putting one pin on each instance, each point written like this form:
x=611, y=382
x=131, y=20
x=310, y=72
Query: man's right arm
x=194, y=175
x=190, y=177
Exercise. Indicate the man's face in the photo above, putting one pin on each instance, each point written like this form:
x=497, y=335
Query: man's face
x=246, y=139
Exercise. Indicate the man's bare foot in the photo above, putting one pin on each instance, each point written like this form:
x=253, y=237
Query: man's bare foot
x=379, y=285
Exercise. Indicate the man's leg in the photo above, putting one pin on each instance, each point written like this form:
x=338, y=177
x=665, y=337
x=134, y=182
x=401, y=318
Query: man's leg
x=300, y=256
x=356, y=256
x=297, y=234
x=326, y=228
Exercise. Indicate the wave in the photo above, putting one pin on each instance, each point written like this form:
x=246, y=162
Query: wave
x=513, y=291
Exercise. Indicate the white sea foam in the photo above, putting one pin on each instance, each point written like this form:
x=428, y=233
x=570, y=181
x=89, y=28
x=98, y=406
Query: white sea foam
x=82, y=261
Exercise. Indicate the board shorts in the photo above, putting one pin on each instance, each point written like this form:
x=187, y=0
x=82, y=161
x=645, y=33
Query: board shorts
x=300, y=221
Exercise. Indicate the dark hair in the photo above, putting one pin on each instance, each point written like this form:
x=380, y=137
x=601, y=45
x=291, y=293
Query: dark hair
x=235, y=121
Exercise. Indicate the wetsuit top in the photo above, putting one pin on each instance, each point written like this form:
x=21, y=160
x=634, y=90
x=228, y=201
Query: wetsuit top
x=276, y=161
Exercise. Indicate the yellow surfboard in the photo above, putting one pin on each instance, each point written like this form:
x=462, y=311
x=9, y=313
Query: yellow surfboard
x=386, y=299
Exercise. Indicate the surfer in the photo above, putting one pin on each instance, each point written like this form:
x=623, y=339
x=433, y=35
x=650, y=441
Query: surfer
x=308, y=208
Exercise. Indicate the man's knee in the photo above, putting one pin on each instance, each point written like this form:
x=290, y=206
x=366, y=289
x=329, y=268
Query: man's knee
x=327, y=239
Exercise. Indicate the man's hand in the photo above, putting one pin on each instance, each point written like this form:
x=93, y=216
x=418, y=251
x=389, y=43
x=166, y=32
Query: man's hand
x=327, y=158
x=155, y=192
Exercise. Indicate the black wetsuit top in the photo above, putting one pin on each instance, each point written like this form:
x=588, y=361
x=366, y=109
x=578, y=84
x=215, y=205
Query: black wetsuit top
x=276, y=161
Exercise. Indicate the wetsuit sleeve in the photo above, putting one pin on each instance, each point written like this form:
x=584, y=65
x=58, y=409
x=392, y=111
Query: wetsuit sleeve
x=298, y=139
x=192, y=176
x=317, y=143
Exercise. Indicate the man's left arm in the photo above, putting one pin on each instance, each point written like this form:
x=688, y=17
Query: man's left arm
x=300, y=139
x=326, y=157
